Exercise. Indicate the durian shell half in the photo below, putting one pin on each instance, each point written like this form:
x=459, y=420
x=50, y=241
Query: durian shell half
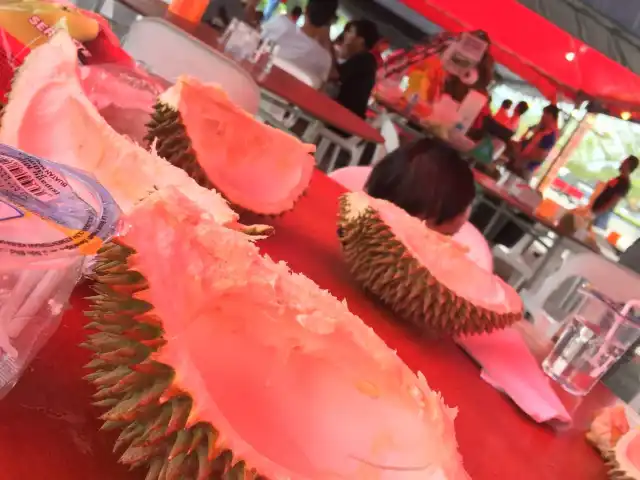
x=155, y=418
x=388, y=269
x=257, y=168
x=624, y=459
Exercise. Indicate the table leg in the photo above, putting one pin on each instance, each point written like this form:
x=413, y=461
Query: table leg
x=541, y=265
x=491, y=230
x=97, y=8
x=311, y=133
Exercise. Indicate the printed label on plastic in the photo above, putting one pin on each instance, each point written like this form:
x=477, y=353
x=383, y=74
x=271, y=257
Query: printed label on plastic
x=43, y=190
x=9, y=212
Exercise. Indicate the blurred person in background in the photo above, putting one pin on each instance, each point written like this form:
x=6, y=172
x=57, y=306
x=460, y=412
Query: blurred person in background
x=379, y=48
x=534, y=147
x=514, y=122
x=607, y=195
x=338, y=44
x=308, y=47
x=357, y=74
x=503, y=115
x=219, y=13
x=295, y=13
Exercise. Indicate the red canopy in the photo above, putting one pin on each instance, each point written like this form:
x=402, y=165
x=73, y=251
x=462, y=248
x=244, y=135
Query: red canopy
x=538, y=51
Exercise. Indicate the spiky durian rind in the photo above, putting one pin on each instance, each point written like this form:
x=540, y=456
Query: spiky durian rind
x=159, y=428
x=384, y=267
x=614, y=469
x=167, y=133
x=172, y=142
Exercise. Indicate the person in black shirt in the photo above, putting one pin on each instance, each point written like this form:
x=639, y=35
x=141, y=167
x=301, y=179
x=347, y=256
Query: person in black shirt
x=615, y=189
x=357, y=74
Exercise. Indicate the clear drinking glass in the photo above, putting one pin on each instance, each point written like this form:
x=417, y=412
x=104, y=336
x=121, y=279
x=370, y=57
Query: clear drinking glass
x=241, y=41
x=228, y=32
x=263, y=58
x=591, y=340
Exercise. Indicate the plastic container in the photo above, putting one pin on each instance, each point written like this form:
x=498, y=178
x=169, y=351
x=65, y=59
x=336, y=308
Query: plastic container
x=51, y=218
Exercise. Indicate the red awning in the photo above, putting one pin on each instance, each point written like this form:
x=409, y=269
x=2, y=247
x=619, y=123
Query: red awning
x=538, y=51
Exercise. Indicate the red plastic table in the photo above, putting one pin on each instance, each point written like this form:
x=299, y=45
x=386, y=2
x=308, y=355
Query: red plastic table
x=48, y=429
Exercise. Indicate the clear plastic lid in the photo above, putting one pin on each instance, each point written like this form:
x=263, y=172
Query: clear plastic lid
x=48, y=210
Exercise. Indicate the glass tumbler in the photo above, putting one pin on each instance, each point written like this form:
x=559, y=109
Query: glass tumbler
x=591, y=340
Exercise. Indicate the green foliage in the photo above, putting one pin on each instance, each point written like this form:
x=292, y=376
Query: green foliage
x=601, y=151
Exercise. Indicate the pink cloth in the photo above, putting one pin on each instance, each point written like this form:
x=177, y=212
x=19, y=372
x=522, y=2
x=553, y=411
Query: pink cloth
x=508, y=365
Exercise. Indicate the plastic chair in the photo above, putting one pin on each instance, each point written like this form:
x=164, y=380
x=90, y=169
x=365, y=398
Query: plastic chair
x=479, y=250
x=616, y=282
x=169, y=52
x=295, y=71
x=277, y=111
x=330, y=142
x=352, y=178
x=514, y=257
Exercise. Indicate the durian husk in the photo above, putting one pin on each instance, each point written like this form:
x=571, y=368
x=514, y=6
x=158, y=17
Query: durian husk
x=615, y=464
x=173, y=144
x=167, y=134
x=387, y=270
x=615, y=471
x=155, y=418
x=610, y=433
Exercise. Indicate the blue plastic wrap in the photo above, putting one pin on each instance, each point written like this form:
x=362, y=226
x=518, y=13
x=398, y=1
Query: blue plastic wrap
x=51, y=217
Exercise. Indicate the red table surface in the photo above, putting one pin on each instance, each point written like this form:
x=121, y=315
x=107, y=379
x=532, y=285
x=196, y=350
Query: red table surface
x=48, y=429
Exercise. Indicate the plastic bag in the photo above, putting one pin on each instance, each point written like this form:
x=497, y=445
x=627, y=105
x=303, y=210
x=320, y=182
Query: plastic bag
x=26, y=24
x=51, y=218
x=124, y=95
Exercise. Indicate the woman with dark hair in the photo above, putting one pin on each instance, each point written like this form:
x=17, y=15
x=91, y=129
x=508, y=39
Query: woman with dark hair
x=429, y=180
x=458, y=89
x=532, y=151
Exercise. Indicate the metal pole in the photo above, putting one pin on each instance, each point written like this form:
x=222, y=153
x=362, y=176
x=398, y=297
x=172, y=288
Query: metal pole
x=564, y=147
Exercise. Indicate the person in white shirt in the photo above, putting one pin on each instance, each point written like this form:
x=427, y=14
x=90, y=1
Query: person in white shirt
x=308, y=47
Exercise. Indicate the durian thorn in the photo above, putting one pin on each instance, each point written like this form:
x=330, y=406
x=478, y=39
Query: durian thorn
x=213, y=451
x=258, y=230
x=155, y=391
x=205, y=464
x=112, y=425
x=155, y=467
x=174, y=469
x=109, y=377
x=170, y=393
x=137, y=454
x=151, y=367
x=157, y=426
x=180, y=413
x=154, y=343
x=127, y=278
x=199, y=436
x=237, y=472
x=128, y=435
x=181, y=444
x=105, y=327
x=193, y=417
